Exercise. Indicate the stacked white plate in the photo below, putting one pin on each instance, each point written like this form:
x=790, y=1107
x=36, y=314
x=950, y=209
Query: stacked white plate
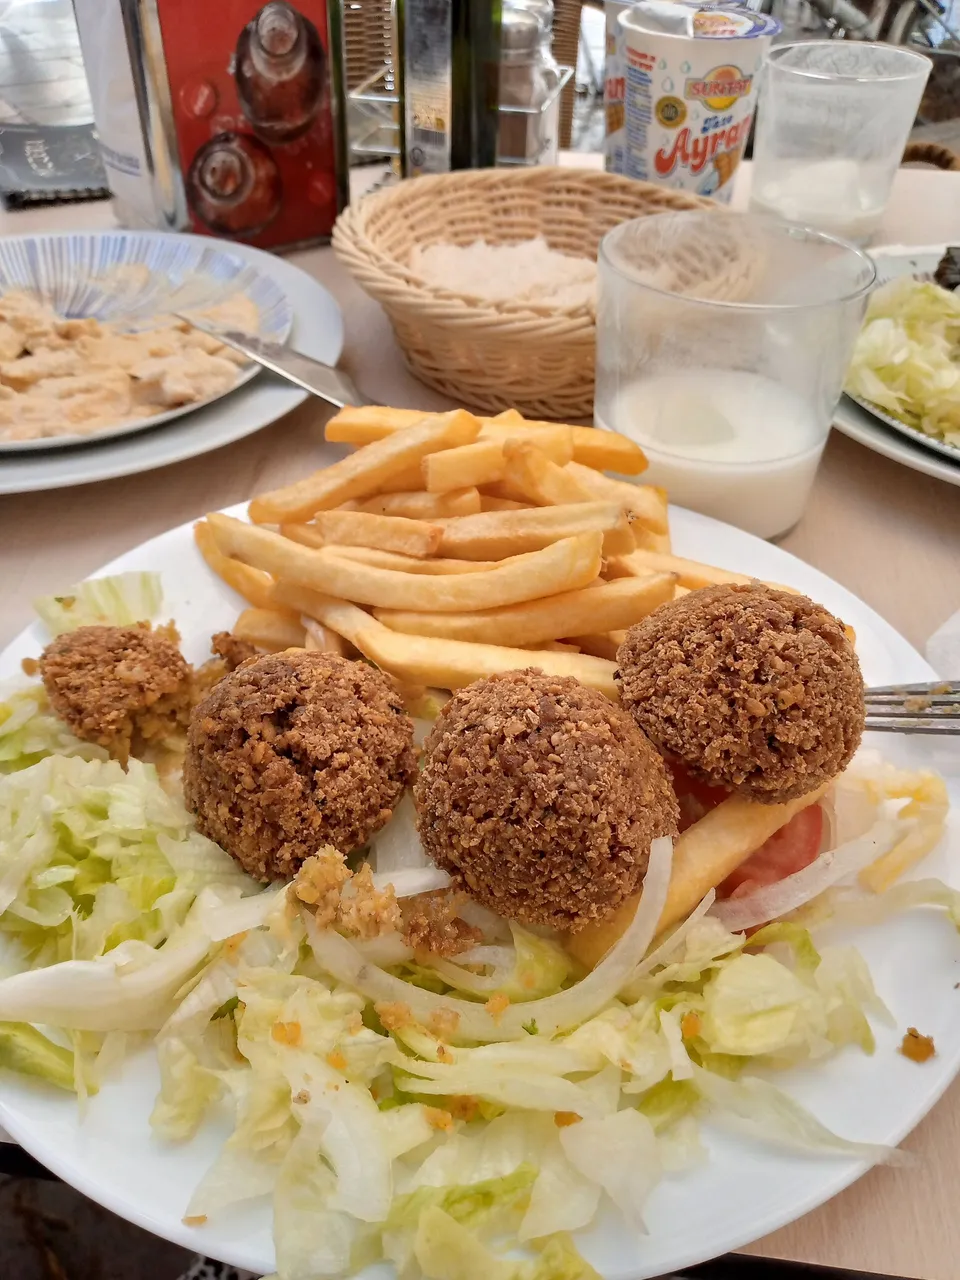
x=69, y=270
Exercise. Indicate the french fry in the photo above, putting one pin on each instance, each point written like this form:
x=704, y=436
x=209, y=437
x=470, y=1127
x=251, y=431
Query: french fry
x=493, y=535
x=364, y=472
x=592, y=447
x=417, y=504
x=646, y=540
x=444, y=664
x=689, y=573
x=271, y=629
x=601, y=646
x=401, y=482
x=602, y=450
x=471, y=464
x=608, y=606
x=366, y=425
x=927, y=800
x=703, y=856
x=607, y=451
x=362, y=529
x=562, y=566
x=390, y=559
x=532, y=473
x=489, y=503
x=321, y=639
x=253, y=584
x=507, y=490
x=647, y=502
x=485, y=461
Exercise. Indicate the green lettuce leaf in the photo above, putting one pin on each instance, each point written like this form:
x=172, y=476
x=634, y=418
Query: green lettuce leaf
x=25, y=1050
x=805, y=954
x=92, y=856
x=541, y=968
x=29, y=731
x=446, y=1250
x=470, y=1205
x=119, y=601
x=755, y=1006
x=668, y=1102
x=906, y=357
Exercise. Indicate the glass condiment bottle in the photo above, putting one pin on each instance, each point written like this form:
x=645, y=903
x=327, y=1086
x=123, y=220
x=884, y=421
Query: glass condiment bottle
x=280, y=71
x=449, y=77
x=234, y=185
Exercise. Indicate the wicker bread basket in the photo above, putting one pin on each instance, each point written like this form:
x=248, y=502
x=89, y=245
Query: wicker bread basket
x=493, y=355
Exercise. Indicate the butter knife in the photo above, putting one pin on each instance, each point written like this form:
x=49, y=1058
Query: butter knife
x=319, y=379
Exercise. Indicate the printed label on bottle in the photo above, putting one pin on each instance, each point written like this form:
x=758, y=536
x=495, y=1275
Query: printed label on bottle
x=428, y=96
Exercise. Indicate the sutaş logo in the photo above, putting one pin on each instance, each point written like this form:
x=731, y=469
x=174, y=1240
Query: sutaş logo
x=719, y=89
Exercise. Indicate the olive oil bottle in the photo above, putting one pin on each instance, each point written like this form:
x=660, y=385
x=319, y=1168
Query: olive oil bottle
x=449, y=84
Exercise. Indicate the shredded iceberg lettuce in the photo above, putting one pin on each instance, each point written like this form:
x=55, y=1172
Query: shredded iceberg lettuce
x=906, y=357
x=446, y=1250
x=364, y=1124
x=28, y=1052
x=119, y=601
x=92, y=856
x=418, y=1115
x=29, y=731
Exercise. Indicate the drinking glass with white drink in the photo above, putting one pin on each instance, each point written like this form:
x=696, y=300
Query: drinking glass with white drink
x=722, y=344
x=833, y=119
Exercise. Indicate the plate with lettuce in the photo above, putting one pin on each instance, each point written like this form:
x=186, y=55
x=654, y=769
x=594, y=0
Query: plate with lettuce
x=905, y=368
x=198, y=1054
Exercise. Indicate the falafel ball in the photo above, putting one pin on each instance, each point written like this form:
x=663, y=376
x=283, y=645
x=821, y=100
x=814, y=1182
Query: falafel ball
x=293, y=751
x=121, y=687
x=541, y=798
x=750, y=688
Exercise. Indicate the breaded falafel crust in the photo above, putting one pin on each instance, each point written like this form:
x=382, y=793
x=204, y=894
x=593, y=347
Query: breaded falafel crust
x=233, y=650
x=541, y=798
x=120, y=687
x=294, y=751
x=749, y=687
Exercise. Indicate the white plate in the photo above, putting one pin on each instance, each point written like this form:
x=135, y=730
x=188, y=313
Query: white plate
x=864, y=427
x=743, y=1192
x=880, y=431
x=317, y=331
x=75, y=271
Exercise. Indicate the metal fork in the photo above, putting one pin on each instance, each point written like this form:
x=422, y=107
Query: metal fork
x=915, y=708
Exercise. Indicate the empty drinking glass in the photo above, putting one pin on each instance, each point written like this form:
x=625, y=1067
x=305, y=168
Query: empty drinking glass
x=832, y=122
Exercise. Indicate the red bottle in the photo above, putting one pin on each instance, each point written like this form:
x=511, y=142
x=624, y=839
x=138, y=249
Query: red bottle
x=234, y=185
x=280, y=72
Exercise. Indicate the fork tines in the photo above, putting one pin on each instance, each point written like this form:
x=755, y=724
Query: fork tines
x=915, y=708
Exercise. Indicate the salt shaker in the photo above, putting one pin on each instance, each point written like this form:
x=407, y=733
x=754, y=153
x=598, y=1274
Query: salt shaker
x=524, y=86
x=544, y=10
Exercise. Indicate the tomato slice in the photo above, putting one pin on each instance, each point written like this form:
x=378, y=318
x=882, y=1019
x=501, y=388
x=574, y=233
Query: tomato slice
x=788, y=850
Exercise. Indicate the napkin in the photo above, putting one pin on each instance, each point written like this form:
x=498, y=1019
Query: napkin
x=47, y=164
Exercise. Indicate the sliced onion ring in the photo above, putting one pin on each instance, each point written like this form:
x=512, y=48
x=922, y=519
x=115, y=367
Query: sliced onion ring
x=566, y=1009
x=408, y=882
x=776, y=900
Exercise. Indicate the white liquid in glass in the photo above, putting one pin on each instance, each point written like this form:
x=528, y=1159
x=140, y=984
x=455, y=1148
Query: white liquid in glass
x=843, y=197
x=733, y=445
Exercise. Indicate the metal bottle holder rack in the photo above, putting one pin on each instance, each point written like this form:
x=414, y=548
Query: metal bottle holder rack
x=373, y=107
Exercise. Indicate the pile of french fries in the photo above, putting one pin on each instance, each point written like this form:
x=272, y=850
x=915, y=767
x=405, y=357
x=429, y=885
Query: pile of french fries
x=449, y=547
